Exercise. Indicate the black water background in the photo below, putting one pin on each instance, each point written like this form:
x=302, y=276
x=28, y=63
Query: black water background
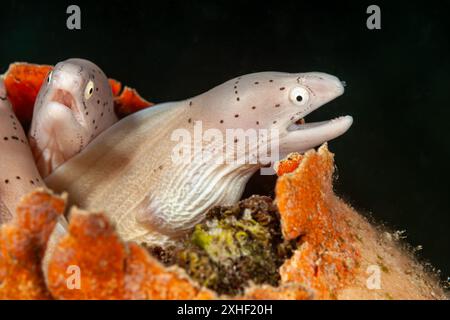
x=393, y=163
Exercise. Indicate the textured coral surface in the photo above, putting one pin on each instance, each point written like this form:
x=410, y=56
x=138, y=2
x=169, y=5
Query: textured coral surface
x=22, y=245
x=111, y=269
x=327, y=257
x=22, y=82
x=236, y=245
x=336, y=247
x=340, y=253
x=126, y=99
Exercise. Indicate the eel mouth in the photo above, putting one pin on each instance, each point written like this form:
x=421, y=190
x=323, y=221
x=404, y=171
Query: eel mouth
x=301, y=124
x=301, y=135
x=67, y=100
x=328, y=128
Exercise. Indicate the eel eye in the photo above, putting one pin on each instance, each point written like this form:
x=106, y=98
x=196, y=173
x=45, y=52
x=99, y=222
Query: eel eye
x=89, y=90
x=49, y=77
x=299, y=96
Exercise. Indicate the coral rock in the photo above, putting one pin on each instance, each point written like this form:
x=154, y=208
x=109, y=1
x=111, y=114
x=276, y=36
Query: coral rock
x=290, y=291
x=236, y=245
x=22, y=245
x=310, y=210
x=335, y=246
x=111, y=269
x=23, y=82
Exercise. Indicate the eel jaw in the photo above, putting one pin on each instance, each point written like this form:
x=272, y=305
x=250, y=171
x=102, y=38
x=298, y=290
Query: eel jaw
x=304, y=136
x=67, y=99
x=53, y=141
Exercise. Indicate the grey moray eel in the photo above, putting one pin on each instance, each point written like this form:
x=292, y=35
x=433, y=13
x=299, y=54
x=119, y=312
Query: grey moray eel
x=74, y=105
x=129, y=171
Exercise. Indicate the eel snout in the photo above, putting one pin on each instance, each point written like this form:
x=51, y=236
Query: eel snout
x=300, y=135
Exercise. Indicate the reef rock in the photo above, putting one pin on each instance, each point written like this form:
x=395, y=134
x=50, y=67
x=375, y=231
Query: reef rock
x=334, y=252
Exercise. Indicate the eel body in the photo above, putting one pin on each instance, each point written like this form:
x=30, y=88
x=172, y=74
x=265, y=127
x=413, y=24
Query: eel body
x=133, y=172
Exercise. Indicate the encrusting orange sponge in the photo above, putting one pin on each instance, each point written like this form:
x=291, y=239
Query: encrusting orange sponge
x=310, y=211
x=23, y=242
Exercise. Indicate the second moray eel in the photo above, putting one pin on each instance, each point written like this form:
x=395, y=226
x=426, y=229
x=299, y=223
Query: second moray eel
x=74, y=105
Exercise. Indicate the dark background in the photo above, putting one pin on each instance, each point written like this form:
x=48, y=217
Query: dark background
x=392, y=164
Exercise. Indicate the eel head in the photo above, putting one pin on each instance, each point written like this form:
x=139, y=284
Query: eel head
x=74, y=105
x=276, y=100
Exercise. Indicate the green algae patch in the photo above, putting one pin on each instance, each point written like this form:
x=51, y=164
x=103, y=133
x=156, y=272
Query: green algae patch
x=235, y=246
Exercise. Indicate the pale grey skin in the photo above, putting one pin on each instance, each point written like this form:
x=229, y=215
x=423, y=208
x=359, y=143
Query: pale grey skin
x=18, y=172
x=127, y=172
x=74, y=105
